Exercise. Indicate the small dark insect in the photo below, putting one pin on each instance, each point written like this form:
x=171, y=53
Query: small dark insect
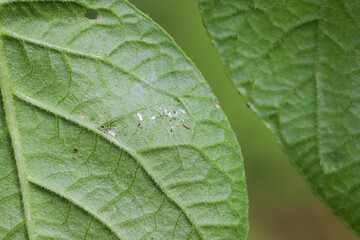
x=75, y=150
x=186, y=126
x=248, y=105
x=170, y=130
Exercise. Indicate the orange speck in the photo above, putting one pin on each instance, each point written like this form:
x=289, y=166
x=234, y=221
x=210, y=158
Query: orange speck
x=82, y=116
x=186, y=126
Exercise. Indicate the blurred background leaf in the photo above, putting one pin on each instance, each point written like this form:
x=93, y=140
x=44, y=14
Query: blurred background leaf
x=282, y=206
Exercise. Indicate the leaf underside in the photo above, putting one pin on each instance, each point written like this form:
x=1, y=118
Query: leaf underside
x=92, y=137
x=298, y=65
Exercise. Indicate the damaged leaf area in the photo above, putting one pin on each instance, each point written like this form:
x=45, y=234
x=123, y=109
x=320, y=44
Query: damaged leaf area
x=298, y=65
x=95, y=97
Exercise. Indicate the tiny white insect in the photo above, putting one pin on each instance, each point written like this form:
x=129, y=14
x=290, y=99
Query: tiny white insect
x=140, y=116
x=112, y=133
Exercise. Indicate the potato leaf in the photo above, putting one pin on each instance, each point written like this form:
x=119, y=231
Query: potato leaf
x=109, y=131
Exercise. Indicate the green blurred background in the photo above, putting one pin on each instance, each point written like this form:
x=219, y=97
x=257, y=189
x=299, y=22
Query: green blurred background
x=282, y=206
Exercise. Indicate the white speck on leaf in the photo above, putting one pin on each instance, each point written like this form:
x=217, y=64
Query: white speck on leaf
x=112, y=133
x=171, y=113
x=183, y=111
x=140, y=116
x=153, y=117
x=217, y=105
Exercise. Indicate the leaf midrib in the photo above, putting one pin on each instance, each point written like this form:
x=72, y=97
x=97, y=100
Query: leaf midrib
x=6, y=92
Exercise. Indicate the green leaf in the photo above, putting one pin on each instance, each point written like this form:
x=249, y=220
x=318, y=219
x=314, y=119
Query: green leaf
x=298, y=65
x=111, y=132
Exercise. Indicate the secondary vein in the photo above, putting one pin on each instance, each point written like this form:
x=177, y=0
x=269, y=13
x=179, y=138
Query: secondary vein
x=11, y=122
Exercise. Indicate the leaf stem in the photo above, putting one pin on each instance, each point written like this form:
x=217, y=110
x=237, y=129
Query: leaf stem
x=6, y=92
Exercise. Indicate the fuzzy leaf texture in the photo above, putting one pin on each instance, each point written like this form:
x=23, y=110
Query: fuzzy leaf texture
x=92, y=135
x=297, y=63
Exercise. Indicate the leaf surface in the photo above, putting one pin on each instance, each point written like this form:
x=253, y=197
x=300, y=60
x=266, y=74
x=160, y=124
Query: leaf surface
x=93, y=141
x=297, y=63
